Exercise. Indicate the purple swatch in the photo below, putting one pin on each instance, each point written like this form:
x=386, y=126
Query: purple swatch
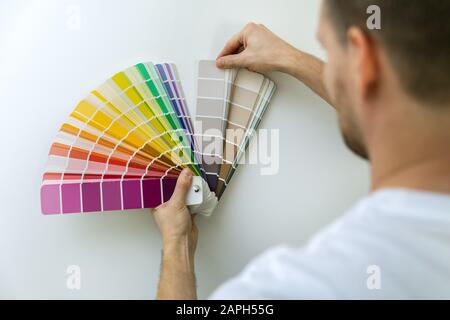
x=111, y=195
x=50, y=199
x=71, y=199
x=168, y=188
x=131, y=194
x=151, y=193
x=91, y=196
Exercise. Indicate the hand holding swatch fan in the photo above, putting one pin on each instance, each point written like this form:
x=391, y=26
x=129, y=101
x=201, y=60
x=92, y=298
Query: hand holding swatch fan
x=125, y=144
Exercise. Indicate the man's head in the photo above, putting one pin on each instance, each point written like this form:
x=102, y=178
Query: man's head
x=369, y=71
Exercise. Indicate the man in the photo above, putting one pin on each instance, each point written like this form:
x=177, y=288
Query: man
x=391, y=91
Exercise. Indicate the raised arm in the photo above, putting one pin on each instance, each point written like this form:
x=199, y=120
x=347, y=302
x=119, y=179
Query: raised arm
x=258, y=49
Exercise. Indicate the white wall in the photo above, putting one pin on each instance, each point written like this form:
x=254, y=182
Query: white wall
x=45, y=68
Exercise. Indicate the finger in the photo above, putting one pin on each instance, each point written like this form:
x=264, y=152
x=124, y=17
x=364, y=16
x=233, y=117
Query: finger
x=233, y=61
x=232, y=45
x=182, y=187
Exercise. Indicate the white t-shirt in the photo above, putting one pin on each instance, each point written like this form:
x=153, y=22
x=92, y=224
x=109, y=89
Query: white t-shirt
x=393, y=244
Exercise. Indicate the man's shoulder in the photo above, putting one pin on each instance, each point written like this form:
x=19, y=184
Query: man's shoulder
x=274, y=274
x=384, y=247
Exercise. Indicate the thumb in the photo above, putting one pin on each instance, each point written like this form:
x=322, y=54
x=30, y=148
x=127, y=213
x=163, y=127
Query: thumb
x=232, y=61
x=182, y=187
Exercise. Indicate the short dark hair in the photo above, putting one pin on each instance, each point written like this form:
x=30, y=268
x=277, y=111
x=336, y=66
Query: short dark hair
x=415, y=35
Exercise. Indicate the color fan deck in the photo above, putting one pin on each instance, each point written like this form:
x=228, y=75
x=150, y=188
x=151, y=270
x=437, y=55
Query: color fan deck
x=125, y=144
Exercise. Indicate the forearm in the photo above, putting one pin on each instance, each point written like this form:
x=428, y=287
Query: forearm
x=306, y=68
x=177, y=280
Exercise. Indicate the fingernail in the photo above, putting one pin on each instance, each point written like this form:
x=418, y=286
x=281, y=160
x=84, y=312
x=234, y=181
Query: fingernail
x=186, y=172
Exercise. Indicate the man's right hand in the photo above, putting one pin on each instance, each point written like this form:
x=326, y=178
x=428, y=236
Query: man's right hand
x=258, y=49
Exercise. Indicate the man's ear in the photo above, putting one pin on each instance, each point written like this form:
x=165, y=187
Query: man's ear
x=363, y=57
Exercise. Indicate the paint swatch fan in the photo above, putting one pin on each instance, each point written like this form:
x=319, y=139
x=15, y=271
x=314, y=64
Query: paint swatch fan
x=125, y=144
x=230, y=106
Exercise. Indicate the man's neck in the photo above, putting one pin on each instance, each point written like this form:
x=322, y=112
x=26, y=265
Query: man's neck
x=413, y=155
x=432, y=175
